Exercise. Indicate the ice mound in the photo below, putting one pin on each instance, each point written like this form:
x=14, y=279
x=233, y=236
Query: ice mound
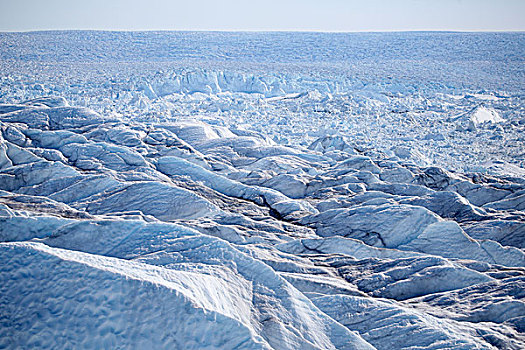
x=485, y=115
x=478, y=117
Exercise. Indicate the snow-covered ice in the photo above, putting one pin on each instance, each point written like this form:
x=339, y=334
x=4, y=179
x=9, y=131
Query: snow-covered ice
x=262, y=190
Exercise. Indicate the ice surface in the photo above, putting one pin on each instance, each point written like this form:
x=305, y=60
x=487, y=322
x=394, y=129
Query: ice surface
x=262, y=190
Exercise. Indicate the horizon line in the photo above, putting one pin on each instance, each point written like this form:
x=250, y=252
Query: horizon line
x=268, y=31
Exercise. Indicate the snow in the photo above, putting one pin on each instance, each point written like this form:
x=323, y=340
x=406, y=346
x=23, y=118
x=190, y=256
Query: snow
x=262, y=190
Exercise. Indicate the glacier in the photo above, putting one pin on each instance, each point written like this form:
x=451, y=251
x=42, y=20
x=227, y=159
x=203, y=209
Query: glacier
x=205, y=190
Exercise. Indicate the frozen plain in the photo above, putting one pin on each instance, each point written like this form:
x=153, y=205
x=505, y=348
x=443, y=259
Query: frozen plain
x=262, y=190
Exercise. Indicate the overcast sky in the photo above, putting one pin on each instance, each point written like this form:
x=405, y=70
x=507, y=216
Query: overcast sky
x=296, y=15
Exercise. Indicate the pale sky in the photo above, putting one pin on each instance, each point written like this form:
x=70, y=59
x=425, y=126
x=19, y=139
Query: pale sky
x=269, y=15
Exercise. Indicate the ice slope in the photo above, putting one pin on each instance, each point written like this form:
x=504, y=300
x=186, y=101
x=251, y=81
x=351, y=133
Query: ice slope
x=74, y=299
x=210, y=276
x=298, y=205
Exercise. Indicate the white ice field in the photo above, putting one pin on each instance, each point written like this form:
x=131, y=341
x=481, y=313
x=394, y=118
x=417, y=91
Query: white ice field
x=211, y=190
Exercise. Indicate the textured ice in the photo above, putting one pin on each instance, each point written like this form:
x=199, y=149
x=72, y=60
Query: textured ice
x=262, y=190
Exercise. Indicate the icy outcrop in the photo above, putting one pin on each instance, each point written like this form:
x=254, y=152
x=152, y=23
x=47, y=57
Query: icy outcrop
x=164, y=202
x=390, y=325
